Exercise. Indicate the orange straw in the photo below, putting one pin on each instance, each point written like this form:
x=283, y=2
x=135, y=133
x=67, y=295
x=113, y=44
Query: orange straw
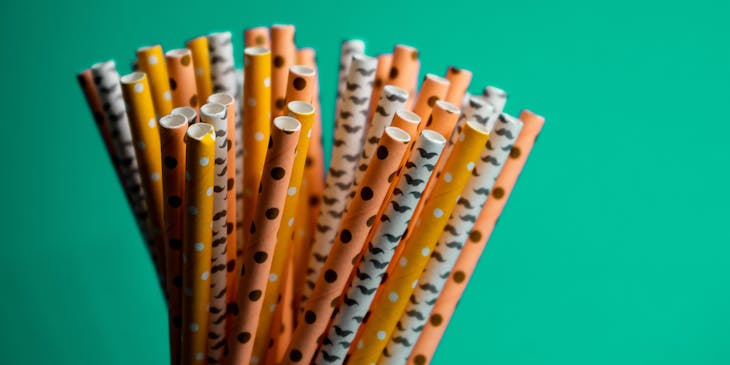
x=256, y=37
x=283, y=54
x=459, y=79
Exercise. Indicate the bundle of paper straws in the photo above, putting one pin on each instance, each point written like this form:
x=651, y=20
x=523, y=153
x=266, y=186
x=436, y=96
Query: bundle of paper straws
x=264, y=257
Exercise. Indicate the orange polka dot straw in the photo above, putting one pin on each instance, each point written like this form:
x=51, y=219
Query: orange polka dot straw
x=304, y=113
x=451, y=241
x=146, y=137
x=216, y=115
x=404, y=70
x=151, y=61
x=256, y=37
x=232, y=213
x=391, y=100
x=443, y=118
x=201, y=62
x=418, y=246
x=189, y=113
x=182, y=78
x=433, y=89
x=300, y=84
x=386, y=235
x=256, y=124
x=197, y=241
x=172, y=147
x=381, y=75
x=408, y=122
x=259, y=250
x=460, y=79
x=444, y=307
x=346, y=150
x=283, y=54
x=354, y=229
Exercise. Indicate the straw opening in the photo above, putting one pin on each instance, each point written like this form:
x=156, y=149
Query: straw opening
x=256, y=51
x=398, y=134
x=185, y=111
x=473, y=124
x=395, y=90
x=300, y=107
x=178, y=52
x=302, y=70
x=221, y=98
x=212, y=109
x=445, y=105
x=409, y=116
x=437, y=78
x=199, y=130
x=287, y=124
x=433, y=136
x=132, y=78
x=173, y=121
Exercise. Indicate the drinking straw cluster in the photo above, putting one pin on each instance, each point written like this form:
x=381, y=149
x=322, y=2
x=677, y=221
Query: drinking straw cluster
x=264, y=257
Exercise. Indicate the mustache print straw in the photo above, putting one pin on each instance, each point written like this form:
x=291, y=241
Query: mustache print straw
x=182, y=78
x=387, y=233
x=151, y=61
x=259, y=250
x=444, y=307
x=304, y=113
x=172, y=146
x=348, y=49
x=283, y=54
x=146, y=138
x=201, y=63
x=349, y=131
x=452, y=239
x=197, y=241
x=216, y=115
x=91, y=94
x=381, y=75
x=418, y=245
x=460, y=79
x=348, y=245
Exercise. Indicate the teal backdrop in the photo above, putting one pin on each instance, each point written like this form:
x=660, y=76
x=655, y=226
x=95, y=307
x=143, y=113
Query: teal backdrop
x=613, y=249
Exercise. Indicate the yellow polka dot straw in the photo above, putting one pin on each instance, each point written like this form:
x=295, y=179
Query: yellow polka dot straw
x=386, y=235
x=216, y=115
x=473, y=247
x=283, y=55
x=256, y=37
x=146, y=137
x=433, y=89
x=381, y=75
x=259, y=249
x=182, y=78
x=459, y=80
x=256, y=123
x=452, y=240
x=419, y=244
x=106, y=79
x=197, y=242
x=232, y=213
x=304, y=113
x=391, y=100
x=201, y=62
x=346, y=150
x=151, y=61
x=172, y=147
x=351, y=238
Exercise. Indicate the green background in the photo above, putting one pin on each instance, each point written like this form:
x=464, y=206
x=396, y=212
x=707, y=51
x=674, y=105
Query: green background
x=612, y=250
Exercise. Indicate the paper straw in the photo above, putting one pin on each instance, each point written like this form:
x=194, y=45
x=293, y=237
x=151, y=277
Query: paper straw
x=497, y=97
x=300, y=84
x=418, y=246
x=222, y=69
x=460, y=79
x=472, y=249
x=172, y=147
x=349, y=132
x=232, y=213
x=404, y=70
x=433, y=89
x=86, y=81
x=353, y=231
x=216, y=115
x=151, y=61
x=452, y=239
x=391, y=100
x=348, y=49
x=283, y=54
x=146, y=137
x=304, y=113
x=189, y=113
x=409, y=122
x=381, y=76
x=256, y=37
x=259, y=249
x=199, y=172
x=182, y=78
x=477, y=109
x=443, y=118
x=256, y=125
x=386, y=236
x=201, y=62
